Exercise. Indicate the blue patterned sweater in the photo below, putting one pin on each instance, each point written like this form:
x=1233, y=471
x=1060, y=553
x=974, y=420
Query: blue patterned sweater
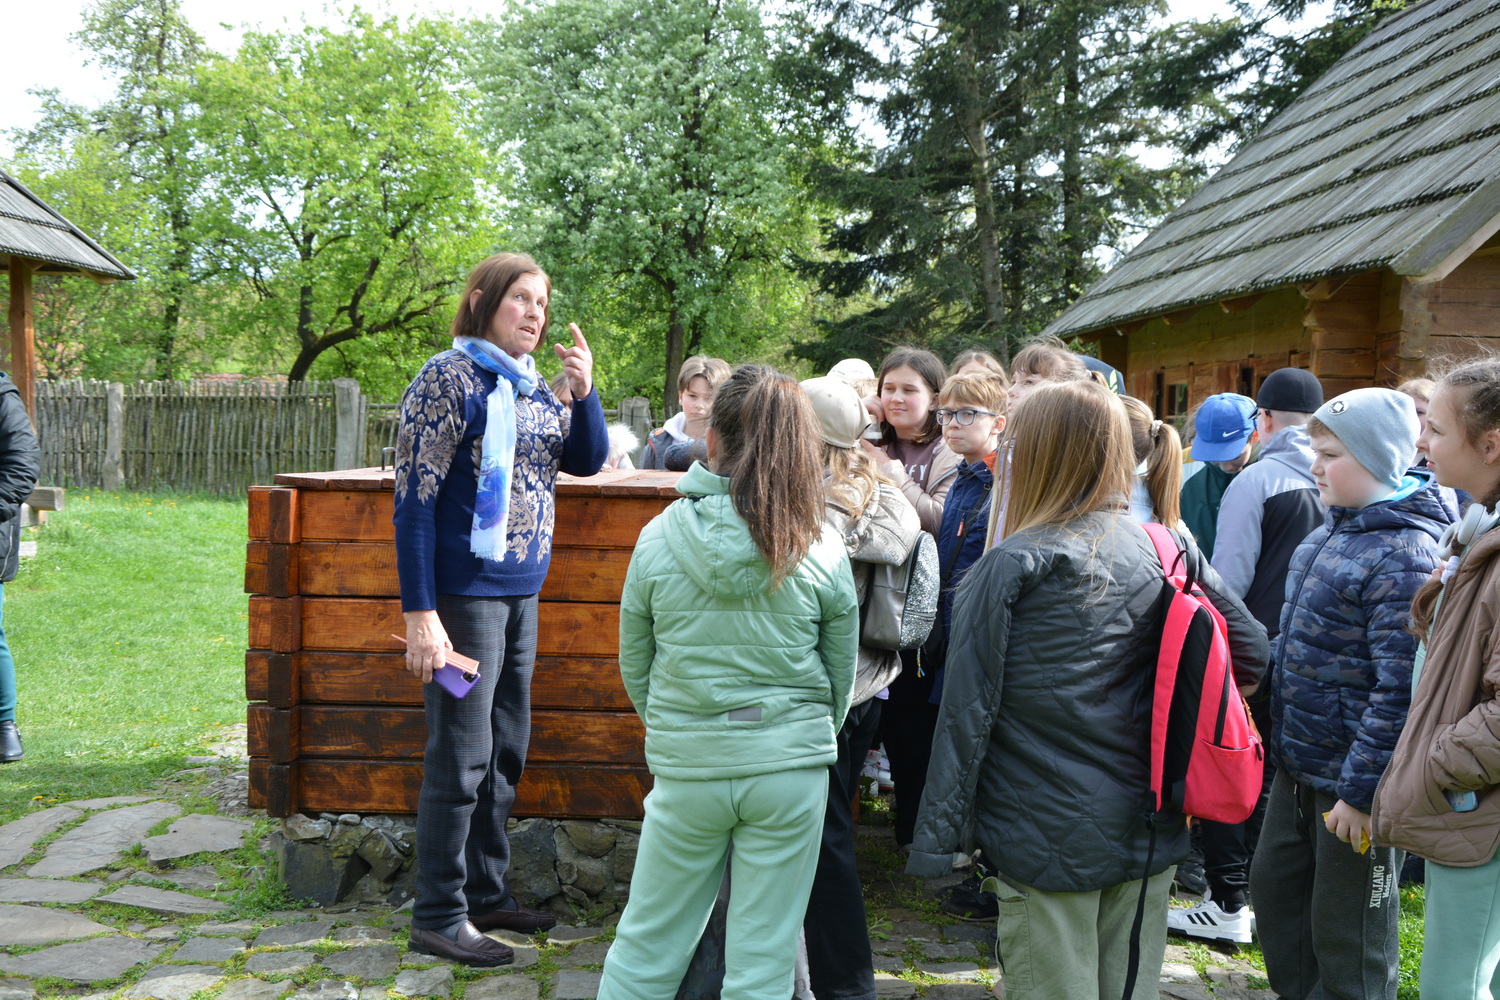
x=443, y=416
x=1341, y=667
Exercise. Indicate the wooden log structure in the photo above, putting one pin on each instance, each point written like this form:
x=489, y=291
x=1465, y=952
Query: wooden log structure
x=335, y=722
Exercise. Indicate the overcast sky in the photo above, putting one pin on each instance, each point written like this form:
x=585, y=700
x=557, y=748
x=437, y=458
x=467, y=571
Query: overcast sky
x=40, y=53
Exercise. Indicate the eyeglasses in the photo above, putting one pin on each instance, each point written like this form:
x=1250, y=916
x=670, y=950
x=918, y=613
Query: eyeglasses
x=965, y=417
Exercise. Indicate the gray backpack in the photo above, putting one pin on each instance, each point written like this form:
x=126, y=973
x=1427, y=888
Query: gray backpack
x=901, y=605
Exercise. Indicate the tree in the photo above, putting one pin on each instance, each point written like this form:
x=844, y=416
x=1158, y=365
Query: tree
x=127, y=170
x=654, y=173
x=355, y=184
x=1012, y=164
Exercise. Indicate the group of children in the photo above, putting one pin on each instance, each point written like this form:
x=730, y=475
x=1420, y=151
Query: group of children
x=1019, y=729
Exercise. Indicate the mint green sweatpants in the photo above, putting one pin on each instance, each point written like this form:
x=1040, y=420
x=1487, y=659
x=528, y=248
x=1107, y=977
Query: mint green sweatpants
x=1461, y=943
x=775, y=822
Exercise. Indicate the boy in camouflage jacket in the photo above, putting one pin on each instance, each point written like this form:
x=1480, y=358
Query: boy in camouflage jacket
x=1341, y=685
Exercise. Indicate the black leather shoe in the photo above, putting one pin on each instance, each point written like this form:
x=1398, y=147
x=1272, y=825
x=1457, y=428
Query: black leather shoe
x=520, y=918
x=10, y=743
x=470, y=948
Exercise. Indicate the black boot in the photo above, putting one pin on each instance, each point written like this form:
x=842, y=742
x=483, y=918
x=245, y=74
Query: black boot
x=10, y=743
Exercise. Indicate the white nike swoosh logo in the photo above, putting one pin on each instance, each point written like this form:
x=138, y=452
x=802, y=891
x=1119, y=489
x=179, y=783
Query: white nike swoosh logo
x=1229, y=434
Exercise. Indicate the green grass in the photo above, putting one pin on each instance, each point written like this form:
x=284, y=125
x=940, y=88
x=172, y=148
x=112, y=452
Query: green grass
x=128, y=631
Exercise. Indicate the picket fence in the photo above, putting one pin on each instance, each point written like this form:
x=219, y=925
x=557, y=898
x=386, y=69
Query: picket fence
x=211, y=436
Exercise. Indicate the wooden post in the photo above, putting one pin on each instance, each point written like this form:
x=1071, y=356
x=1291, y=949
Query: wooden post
x=349, y=431
x=112, y=475
x=22, y=333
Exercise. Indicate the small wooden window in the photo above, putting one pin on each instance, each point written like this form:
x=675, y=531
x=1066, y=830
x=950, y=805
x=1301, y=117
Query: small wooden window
x=1177, y=399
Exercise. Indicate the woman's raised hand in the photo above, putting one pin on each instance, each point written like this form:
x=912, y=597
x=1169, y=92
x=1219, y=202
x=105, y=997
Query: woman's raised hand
x=578, y=363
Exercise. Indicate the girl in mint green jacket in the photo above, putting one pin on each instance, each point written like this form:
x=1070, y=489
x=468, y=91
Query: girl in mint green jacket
x=738, y=640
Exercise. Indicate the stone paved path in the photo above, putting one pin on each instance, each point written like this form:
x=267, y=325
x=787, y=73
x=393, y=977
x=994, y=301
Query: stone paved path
x=76, y=921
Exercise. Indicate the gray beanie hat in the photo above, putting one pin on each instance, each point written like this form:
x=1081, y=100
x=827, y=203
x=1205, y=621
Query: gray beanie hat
x=1378, y=426
x=1291, y=390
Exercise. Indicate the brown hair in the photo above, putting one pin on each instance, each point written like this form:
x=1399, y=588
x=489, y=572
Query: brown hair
x=981, y=357
x=1070, y=454
x=712, y=370
x=1049, y=358
x=1473, y=388
x=1158, y=445
x=929, y=367
x=492, y=277
x=981, y=389
x=767, y=443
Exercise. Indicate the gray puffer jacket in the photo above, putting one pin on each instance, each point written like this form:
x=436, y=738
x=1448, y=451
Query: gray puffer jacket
x=1041, y=753
x=883, y=535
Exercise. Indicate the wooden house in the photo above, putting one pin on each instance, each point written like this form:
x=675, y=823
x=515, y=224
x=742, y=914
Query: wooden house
x=1355, y=236
x=36, y=239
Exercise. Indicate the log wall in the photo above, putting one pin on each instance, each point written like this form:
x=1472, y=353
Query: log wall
x=336, y=723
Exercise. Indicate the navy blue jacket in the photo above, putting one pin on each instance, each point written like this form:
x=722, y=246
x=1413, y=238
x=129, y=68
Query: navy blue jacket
x=1341, y=666
x=968, y=508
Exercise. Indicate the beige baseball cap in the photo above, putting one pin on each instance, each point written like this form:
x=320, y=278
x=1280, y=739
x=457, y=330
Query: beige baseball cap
x=842, y=416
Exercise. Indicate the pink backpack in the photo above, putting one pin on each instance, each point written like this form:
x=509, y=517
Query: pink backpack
x=1206, y=756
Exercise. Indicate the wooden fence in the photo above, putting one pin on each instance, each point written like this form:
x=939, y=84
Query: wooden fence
x=212, y=436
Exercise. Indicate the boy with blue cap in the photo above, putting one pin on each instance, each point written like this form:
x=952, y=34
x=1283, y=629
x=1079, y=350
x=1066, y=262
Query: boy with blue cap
x=1223, y=432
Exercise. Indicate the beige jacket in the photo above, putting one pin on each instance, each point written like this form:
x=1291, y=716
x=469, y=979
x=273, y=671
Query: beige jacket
x=1452, y=735
x=940, y=479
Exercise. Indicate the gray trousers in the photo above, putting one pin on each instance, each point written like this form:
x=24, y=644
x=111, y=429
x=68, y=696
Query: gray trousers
x=476, y=750
x=1326, y=917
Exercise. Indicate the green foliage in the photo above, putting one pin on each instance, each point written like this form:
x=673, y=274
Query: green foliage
x=128, y=631
x=356, y=205
x=655, y=181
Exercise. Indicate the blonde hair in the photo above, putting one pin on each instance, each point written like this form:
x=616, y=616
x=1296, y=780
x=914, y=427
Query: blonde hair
x=1158, y=445
x=714, y=371
x=1071, y=454
x=1049, y=358
x=853, y=478
x=769, y=447
x=976, y=356
x=1421, y=388
x=981, y=389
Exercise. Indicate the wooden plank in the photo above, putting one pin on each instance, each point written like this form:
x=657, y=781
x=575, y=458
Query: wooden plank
x=273, y=787
x=271, y=569
x=348, y=569
x=46, y=498
x=1240, y=304
x=1180, y=316
x=1345, y=364
x=373, y=478
x=1325, y=340
x=1344, y=316
x=605, y=523
x=348, y=516
x=276, y=623
x=384, y=732
x=257, y=555
x=366, y=623
x=600, y=792
x=286, y=523
x=581, y=683
x=586, y=574
x=260, y=512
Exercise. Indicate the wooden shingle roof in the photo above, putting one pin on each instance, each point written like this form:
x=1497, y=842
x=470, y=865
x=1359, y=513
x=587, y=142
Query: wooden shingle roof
x=31, y=228
x=1391, y=159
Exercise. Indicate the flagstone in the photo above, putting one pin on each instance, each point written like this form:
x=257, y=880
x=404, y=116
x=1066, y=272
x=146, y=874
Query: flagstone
x=100, y=839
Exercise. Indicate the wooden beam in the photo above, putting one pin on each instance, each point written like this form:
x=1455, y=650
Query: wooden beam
x=1131, y=328
x=1180, y=316
x=1240, y=304
x=23, y=332
x=1321, y=291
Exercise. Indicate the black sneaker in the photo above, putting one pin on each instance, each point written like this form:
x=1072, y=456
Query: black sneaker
x=1190, y=877
x=968, y=902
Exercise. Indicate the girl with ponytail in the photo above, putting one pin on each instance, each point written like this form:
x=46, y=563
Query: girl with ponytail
x=1437, y=798
x=738, y=639
x=1156, y=493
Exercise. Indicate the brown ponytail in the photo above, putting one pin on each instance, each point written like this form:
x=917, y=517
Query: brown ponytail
x=769, y=446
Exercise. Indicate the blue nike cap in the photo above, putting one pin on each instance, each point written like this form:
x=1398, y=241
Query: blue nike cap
x=1223, y=425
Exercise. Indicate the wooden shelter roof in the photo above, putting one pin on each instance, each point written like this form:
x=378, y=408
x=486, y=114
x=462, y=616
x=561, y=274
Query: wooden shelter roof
x=31, y=228
x=1391, y=159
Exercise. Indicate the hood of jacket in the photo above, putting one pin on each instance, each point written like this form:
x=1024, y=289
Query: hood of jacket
x=1424, y=509
x=884, y=532
x=1291, y=447
x=711, y=541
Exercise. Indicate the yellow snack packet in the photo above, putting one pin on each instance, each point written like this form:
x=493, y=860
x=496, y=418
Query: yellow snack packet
x=1364, y=839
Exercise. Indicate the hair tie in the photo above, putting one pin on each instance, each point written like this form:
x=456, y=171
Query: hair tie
x=1155, y=428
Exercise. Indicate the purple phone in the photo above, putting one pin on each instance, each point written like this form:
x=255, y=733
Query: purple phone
x=454, y=681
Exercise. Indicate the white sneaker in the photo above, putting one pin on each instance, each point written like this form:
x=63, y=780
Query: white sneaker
x=1205, y=920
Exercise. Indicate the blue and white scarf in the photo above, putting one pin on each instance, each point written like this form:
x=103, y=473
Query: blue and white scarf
x=498, y=450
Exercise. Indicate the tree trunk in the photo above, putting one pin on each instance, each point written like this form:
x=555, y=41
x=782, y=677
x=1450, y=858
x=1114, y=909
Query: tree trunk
x=675, y=339
x=985, y=224
x=1072, y=169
